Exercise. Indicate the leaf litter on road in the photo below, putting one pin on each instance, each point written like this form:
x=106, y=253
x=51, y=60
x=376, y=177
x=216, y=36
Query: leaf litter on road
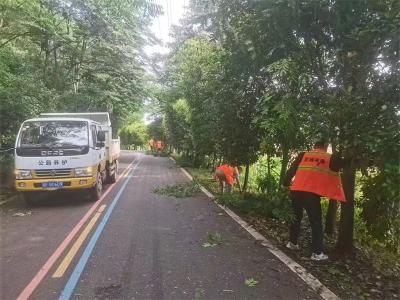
x=180, y=190
x=250, y=282
x=213, y=239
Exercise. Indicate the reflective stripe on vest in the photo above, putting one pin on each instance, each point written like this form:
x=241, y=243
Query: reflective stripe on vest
x=313, y=175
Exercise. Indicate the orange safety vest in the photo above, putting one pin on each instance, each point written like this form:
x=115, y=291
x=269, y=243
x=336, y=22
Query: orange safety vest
x=229, y=173
x=313, y=175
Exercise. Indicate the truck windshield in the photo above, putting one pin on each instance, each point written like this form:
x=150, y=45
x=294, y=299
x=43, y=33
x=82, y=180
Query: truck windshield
x=54, y=134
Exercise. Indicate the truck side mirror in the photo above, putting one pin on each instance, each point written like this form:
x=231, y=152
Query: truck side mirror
x=101, y=136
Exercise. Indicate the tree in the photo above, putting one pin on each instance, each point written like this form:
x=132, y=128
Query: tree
x=177, y=127
x=155, y=130
x=197, y=69
x=134, y=134
x=71, y=56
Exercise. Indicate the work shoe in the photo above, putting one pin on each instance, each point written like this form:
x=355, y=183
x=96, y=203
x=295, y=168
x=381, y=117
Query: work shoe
x=320, y=256
x=292, y=246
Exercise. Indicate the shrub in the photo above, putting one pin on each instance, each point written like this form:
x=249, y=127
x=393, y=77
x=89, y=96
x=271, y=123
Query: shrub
x=6, y=170
x=275, y=205
x=380, y=205
x=266, y=180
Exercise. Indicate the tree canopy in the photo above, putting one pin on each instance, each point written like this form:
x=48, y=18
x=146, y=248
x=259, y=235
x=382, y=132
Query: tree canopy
x=71, y=56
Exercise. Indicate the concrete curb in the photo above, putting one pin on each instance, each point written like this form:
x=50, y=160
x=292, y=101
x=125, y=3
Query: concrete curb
x=308, y=278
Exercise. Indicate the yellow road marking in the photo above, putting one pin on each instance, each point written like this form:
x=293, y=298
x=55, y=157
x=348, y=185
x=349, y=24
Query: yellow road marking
x=78, y=243
x=101, y=208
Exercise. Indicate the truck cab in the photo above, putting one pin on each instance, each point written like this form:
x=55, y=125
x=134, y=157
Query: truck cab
x=65, y=151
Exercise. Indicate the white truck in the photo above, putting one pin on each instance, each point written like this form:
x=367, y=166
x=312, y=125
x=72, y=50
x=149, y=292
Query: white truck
x=66, y=151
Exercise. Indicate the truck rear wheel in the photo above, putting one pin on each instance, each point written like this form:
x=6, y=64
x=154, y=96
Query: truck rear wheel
x=112, y=177
x=97, y=189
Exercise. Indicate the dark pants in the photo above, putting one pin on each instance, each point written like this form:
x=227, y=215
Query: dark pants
x=312, y=204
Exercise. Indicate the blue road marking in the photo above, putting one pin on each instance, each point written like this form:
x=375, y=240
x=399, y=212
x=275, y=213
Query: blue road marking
x=76, y=274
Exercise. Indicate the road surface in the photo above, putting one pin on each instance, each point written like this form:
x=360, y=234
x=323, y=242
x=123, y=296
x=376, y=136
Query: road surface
x=135, y=244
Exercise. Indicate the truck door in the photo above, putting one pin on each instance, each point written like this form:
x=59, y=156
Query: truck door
x=97, y=153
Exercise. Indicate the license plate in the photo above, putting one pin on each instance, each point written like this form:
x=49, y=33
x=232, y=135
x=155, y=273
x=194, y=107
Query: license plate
x=52, y=184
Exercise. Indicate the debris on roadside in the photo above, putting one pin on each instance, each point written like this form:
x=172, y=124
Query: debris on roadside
x=251, y=282
x=213, y=239
x=21, y=214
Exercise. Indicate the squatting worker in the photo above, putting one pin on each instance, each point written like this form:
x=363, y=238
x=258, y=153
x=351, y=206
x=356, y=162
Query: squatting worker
x=227, y=176
x=316, y=174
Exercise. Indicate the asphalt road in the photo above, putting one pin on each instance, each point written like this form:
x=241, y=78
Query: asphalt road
x=141, y=245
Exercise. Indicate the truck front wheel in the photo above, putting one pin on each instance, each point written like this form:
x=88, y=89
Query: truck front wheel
x=30, y=198
x=96, y=190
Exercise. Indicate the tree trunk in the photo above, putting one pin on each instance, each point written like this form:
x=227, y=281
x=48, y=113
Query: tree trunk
x=56, y=72
x=344, y=243
x=220, y=160
x=284, y=163
x=246, y=177
x=269, y=174
x=214, y=158
x=330, y=222
x=331, y=217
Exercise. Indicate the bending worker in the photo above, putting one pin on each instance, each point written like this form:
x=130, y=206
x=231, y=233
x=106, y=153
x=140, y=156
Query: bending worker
x=227, y=176
x=316, y=174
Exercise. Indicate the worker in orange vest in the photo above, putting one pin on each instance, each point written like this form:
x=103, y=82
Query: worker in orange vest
x=316, y=175
x=160, y=146
x=227, y=176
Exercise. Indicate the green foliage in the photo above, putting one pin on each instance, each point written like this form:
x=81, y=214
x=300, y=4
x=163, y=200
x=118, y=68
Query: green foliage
x=265, y=174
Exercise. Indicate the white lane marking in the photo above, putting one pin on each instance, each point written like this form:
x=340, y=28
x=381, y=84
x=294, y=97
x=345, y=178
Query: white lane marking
x=308, y=278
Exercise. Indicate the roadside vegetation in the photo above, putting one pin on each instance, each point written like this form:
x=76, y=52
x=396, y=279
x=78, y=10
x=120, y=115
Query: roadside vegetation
x=259, y=81
x=373, y=272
